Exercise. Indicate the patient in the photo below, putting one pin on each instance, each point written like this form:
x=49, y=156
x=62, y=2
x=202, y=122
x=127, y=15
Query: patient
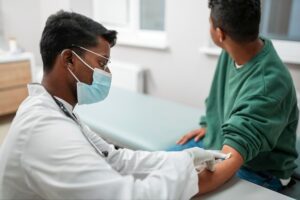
x=251, y=110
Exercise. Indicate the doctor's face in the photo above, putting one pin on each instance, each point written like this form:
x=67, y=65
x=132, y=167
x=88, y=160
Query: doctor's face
x=90, y=57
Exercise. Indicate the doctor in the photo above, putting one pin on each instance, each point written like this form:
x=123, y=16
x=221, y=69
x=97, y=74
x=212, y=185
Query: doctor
x=49, y=154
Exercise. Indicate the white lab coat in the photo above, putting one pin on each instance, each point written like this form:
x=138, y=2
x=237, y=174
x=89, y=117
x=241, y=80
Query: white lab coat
x=46, y=156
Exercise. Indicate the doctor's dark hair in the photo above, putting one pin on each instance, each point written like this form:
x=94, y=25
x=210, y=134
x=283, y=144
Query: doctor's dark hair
x=65, y=29
x=239, y=19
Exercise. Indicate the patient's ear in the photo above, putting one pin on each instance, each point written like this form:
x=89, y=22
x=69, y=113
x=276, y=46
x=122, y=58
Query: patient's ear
x=220, y=35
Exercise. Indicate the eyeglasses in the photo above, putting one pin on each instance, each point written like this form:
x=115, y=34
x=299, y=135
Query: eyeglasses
x=104, y=65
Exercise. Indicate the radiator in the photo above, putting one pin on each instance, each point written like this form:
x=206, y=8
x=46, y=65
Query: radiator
x=128, y=76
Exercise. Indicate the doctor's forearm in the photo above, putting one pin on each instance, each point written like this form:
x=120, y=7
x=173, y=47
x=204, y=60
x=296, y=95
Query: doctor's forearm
x=209, y=181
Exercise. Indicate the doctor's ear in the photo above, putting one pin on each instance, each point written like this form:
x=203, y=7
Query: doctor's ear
x=67, y=57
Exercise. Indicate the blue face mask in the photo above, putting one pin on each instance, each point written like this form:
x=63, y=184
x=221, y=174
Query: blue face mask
x=98, y=90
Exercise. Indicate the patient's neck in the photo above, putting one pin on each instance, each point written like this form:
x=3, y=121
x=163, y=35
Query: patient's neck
x=243, y=53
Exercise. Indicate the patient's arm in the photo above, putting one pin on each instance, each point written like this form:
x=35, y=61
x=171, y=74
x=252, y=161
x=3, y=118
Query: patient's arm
x=209, y=181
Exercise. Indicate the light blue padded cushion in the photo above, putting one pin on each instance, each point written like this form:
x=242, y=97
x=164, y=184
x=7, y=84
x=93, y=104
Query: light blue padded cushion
x=139, y=121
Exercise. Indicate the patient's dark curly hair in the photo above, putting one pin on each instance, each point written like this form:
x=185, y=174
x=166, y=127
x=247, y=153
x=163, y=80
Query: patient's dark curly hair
x=239, y=19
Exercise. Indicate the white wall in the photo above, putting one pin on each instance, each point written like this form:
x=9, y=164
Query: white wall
x=21, y=20
x=180, y=73
x=1, y=19
x=1, y=27
x=25, y=20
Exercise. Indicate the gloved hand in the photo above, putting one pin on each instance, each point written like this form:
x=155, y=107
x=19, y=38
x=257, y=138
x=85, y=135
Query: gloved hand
x=202, y=157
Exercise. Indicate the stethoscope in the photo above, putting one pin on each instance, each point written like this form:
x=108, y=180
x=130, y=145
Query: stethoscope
x=74, y=118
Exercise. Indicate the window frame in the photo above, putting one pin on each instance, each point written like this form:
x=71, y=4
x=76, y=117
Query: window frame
x=132, y=35
x=287, y=50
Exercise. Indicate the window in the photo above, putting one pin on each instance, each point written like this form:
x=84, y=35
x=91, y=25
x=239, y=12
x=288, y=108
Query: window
x=279, y=19
x=152, y=15
x=139, y=22
x=279, y=22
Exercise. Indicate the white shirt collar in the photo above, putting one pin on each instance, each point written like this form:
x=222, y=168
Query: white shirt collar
x=238, y=66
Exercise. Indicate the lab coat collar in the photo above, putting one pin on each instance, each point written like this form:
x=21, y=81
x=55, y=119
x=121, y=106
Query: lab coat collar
x=68, y=106
x=35, y=89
